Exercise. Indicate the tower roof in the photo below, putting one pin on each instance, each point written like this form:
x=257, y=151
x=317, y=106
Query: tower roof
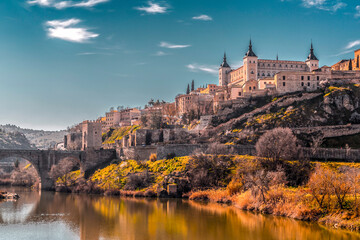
x=312, y=55
x=250, y=52
x=224, y=63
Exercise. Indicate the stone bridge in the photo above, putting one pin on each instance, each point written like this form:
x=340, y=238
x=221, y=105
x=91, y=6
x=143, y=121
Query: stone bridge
x=43, y=160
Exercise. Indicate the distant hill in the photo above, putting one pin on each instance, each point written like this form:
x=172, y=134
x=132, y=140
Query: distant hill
x=40, y=139
x=14, y=140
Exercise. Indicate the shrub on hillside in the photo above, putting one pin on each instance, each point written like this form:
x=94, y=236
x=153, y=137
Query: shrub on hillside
x=209, y=170
x=276, y=145
x=138, y=180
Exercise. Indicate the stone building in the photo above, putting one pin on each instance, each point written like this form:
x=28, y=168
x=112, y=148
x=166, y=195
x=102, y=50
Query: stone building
x=86, y=135
x=256, y=75
x=200, y=103
x=348, y=64
x=91, y=135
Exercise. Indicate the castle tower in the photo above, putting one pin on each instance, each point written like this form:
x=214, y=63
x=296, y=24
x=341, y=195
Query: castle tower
x=223, y=72
x=312, y=62
x=250, y=64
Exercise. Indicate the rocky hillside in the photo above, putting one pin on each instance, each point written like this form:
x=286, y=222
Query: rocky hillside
x=14, y=140
x=39, y=138
x=333, y=105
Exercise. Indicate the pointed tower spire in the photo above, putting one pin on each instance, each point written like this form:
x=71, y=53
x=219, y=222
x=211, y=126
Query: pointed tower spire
x=277, y=57
x=224, y=63
x=350, y=65
x=312, y=55
x=250, y=52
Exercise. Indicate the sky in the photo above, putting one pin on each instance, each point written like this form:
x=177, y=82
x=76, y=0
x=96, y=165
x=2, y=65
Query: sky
x=62, y=61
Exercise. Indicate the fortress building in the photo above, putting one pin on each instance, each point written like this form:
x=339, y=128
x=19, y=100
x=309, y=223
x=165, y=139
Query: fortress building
x=254, y=69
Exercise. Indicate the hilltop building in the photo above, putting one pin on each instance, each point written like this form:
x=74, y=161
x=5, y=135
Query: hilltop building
x=85, y=135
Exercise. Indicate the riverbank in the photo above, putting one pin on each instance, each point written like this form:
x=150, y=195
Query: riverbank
x=296, y=189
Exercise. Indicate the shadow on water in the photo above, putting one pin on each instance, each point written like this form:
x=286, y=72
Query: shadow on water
x=49, y=215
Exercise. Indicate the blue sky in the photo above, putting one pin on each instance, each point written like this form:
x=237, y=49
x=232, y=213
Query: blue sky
x=64, y=61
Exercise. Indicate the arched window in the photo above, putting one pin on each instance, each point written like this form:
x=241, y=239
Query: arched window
x=249, y=88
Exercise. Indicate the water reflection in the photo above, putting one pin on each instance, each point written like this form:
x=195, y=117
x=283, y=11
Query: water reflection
x=69, y=216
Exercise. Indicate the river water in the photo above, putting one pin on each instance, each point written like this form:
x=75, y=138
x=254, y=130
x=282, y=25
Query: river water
x=49, y=215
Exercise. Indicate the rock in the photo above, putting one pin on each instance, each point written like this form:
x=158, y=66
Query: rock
x=9, y=196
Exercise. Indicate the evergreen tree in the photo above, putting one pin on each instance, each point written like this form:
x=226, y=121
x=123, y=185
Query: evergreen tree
x=188, y=89
x=192, y=85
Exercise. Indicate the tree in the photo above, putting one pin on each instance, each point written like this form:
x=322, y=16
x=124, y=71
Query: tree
x=277, y=144
x=151, y=102
x=16, y=164
x=192, y=85
x=188, y=89
x=144, y=120
x=156, y=120
x=60, y=172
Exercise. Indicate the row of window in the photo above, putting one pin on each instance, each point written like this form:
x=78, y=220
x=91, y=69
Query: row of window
x=280, y=65
x=302, y=84
x=302, y=78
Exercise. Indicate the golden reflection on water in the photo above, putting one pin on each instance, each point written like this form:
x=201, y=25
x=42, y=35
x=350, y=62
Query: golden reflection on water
x=93, y=217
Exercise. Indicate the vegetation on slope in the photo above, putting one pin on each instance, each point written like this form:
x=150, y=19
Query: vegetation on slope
x=114, y=134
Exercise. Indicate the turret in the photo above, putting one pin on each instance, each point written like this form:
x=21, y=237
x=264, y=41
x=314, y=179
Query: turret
x=250, y=64
x=312, y=62
x=223, y=72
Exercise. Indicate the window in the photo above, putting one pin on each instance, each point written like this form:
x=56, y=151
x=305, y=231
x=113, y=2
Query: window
x=308, y=84
x=254, y=88
x=308, y=77
x=239, y=93
x=302, y=84
x=302, y=77
x=279, y=65
x=286, y=65
x=252, y=72
x=268, y=74
x=283, y=77
x=296, y=66
x=318, y=78
x=273, y=65
x=264, y=82
x=263, y=74
x=283, y=84
x=249, y=88
x=268, y=65
x=291, y=65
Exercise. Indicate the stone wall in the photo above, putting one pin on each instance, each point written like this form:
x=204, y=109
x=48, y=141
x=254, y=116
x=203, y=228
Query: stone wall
x=330, y=131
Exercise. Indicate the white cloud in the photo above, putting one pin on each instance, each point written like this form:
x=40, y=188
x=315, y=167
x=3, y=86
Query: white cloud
x=170, y=45
x=203, y=68
x=161, y=53
x=203, y=18
x=153, y=8
x=66, y=4
x=357, y=8
x=65, y=30
x=352, y=44
x=326, y=5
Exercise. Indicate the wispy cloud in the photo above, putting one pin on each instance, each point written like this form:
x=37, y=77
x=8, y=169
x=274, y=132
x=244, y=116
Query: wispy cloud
x=161, y=53
x=357, y=8
x=203, y=68
x=153, y=8
x=65, y=30
x=170, y=45
x=66, y=4
x=326, y=5
x=203, y=18
x=352, y=44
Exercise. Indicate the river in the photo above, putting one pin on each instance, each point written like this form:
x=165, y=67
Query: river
x=49, y=215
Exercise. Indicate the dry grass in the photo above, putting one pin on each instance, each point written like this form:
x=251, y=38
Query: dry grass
x=218, y=196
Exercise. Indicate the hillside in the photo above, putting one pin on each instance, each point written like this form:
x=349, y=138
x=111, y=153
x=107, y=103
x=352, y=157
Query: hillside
x=14, y=140
x=334, y=105
x=39, y=138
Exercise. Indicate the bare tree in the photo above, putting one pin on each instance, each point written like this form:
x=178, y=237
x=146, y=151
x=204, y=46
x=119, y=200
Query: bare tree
x=278, y=144
x=61, y=170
